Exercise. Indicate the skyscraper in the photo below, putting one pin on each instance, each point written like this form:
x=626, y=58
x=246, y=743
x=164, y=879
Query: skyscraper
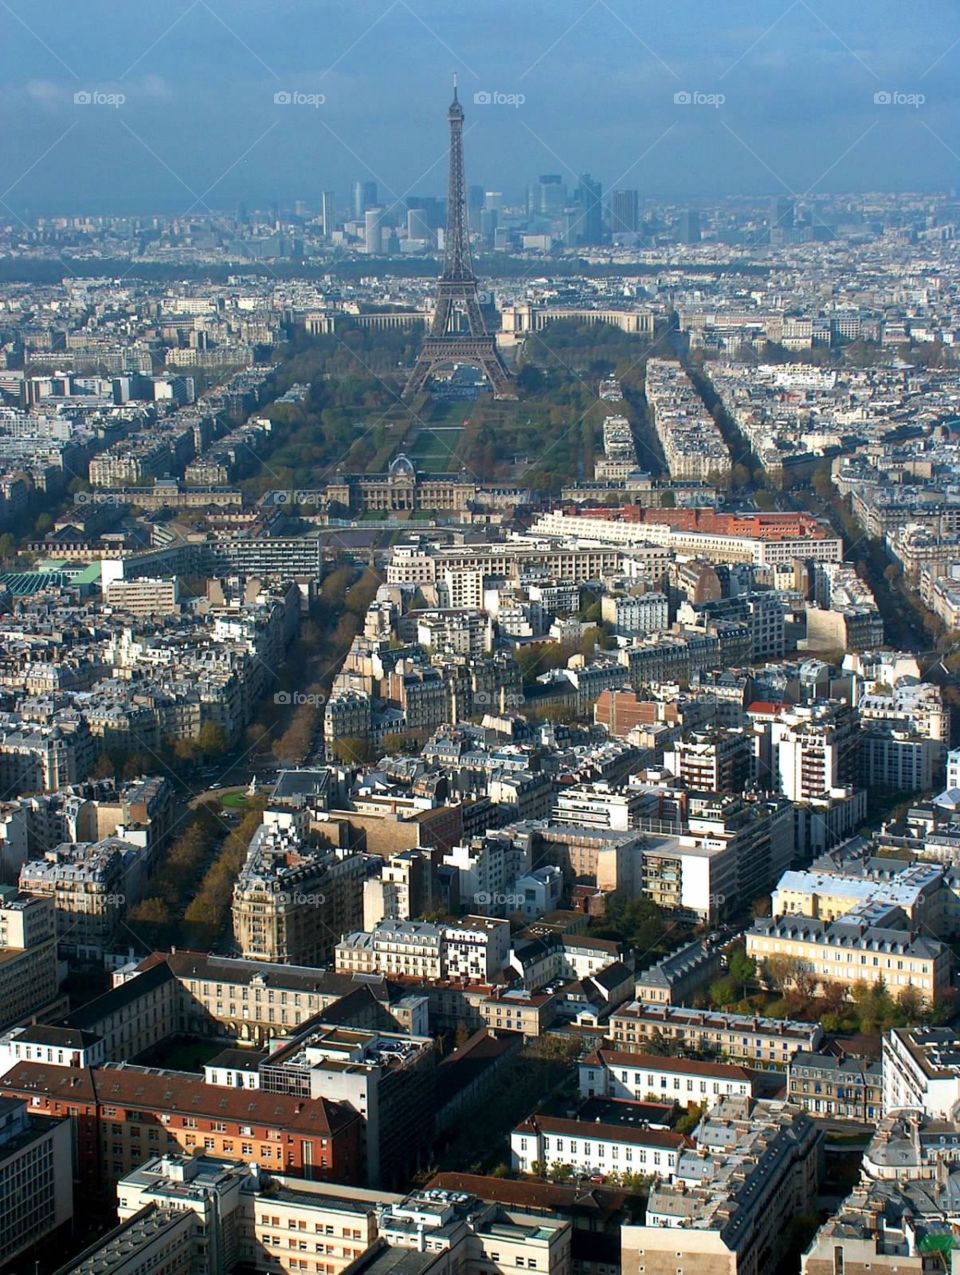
x=364, y=197
x=548, y=196
x=589, y=200
x=688, y=226
x=419, y=226
x=373, y=232
x=624, y=212
x=488, y=226
x=328, y=211
x=782, y=213
x=429, y=206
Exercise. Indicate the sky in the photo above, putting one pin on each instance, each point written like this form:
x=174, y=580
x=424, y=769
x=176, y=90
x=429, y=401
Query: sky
x=178, y=106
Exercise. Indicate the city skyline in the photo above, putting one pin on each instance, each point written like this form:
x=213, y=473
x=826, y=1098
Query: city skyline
x=212, y=105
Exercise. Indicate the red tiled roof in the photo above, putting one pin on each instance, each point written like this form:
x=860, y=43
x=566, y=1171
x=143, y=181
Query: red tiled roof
x=177, y=1093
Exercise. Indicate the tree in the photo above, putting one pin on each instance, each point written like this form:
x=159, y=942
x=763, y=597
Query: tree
x=723, y=992
x=804, y=979
x=834, y=997
x=742, y=969
x=153, y=920
x=103, y=768
x=689, y=1120
x=910, y=1005
x=351, y=750
x=779, y=972
x=212, y=739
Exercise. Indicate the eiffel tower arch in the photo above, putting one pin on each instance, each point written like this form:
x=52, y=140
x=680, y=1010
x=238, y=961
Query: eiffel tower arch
x=458, y=333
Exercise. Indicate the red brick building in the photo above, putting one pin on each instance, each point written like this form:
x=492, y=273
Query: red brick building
x=123, y=1114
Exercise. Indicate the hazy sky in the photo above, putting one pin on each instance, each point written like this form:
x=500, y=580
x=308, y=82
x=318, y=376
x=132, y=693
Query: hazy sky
x=199, y=126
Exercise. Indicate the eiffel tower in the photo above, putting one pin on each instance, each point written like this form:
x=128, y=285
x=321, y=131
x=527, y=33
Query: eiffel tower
x=457, y=292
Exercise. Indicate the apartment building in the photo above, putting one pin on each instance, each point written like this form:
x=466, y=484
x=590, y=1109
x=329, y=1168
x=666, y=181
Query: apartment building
x=741, y=1038
x=854, y=950
x=715, y=761
x=144, y=596
x=755, y=1165
x=36, y=1177
x=920, y=890
x=29, y=986
x=921, y=1071
x=590, y=1147
x=608, y=1073
x=846, y=1088
x=513, y=1009
x=91, y=885
x=462, y=1234
x=411, y=949
x=471, y=950
x=291, y=901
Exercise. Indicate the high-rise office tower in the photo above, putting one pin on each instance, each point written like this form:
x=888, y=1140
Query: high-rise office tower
x=624, y=212
x=429, y=206
x=328, y=211
x=590, y=201
x=688, y=226
x=373, y=231
x=364, y=197
x=488, y=226
x=782, y=213
x=474, y=204
x=419, y=226
x=548, y=196
x=300, y=208
x=493, y=199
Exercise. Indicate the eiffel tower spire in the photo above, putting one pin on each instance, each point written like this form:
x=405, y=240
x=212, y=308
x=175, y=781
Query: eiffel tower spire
x=457, y=290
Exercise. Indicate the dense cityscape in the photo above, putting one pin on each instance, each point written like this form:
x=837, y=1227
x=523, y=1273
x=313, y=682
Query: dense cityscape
x=480, y=724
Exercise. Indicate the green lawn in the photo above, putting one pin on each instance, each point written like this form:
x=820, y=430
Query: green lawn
x=235, y=801
x=437, y=453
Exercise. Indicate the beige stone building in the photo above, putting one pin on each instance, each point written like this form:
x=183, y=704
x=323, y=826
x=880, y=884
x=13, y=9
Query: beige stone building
x=28, y=958
x=852, y=950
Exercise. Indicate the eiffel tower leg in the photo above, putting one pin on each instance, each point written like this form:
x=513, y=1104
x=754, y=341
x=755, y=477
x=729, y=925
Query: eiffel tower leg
x=499, y=380
x=417, y=378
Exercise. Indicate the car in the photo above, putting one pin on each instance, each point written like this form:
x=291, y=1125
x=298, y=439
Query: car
x=214, y=787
